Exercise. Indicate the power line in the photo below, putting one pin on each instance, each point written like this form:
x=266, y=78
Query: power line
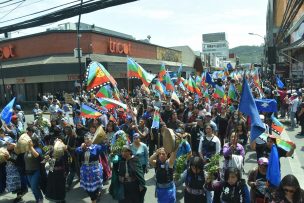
x=12, y=10
x=63, y=14
x=11, y=4
x=38, y=12
x=4, y=2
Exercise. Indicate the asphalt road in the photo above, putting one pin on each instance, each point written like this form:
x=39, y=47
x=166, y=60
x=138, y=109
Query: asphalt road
x=292, y=165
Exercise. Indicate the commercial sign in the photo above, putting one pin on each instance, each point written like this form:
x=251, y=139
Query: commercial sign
x=7, y=52
x=168, y=55
x=117, y=47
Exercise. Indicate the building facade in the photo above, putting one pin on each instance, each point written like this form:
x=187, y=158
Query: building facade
x=45, y=63
x=285, y=40
x=216, y=44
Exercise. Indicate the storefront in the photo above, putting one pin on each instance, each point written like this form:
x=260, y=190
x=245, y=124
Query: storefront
x=45, y=62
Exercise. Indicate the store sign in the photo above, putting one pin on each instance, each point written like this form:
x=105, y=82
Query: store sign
x=117, y=47
x=72, y=77
x=164, y=54
x=7, y=52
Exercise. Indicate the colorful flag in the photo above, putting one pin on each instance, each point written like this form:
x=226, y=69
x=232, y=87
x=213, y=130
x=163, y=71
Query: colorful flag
x=256, y=81
x=248, y=107
x=192, y=87
x=280, y=84
x=97, y=76
x=175, y=97
x=162, y=72
x=111, y=103
x=179, y=75
x=266, y=105
x=169, y=83
x=276, y=125
x=273, y=171
x=159, y=87
x=116, y=94
x=7, y=112
x=219, y=91
x=104, y=91
x=283, y=144
x=136, y=71
x=232, y=92
x=89, y=112
x=156, y=119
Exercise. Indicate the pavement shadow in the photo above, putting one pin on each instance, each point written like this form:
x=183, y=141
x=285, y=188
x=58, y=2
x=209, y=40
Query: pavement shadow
x=299, y=136
x=179, y=196
x=5, y=200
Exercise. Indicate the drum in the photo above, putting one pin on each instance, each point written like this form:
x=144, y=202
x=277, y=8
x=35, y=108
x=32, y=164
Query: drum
x=170, y=139
x=59, y=147
x=23, y=143
x=99, y=135
x=3, y=153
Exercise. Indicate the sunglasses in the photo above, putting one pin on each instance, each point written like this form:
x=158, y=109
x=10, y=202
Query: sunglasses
x=289, y=191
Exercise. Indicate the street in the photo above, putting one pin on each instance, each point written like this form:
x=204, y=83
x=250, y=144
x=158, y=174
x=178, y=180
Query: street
x=288, y=166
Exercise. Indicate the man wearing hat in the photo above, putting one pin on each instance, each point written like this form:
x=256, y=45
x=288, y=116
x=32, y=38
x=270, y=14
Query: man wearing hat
x=257, y=181
x=294, y=104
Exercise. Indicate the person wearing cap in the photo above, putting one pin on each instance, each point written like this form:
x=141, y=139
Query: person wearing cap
x=208, y=119
x=140, y=150
x=130, y=175
x=294, y=104
x=90, y=170
x=257, y=181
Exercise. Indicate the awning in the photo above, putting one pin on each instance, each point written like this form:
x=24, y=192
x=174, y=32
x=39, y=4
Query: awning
x=296, y=45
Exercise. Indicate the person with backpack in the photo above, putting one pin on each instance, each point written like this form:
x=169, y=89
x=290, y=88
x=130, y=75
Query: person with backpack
x=194, y=179
x=257, y=182
x=233, y=188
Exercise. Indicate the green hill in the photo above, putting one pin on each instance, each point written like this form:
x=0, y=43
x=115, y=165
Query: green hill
x=248, y=54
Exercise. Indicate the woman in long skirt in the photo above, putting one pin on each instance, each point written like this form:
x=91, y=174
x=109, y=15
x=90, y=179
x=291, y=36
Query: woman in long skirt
x=91, y=170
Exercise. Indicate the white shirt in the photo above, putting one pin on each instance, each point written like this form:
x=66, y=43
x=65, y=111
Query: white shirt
x=294, y=104
x=214, y=139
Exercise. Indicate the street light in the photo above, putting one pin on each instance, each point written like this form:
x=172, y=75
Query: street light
x=250, y=33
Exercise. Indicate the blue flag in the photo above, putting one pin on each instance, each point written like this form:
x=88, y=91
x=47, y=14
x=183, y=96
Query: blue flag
x=7, y=112
x=248, y=107
x=266, y=105
x=209, y=80
x=279, y=82
x=273, y=171
x=229, y=66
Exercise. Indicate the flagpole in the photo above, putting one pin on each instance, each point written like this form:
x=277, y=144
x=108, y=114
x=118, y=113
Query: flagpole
x=128, y=80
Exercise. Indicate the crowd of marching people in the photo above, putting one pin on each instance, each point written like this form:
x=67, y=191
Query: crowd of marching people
x=198, y=143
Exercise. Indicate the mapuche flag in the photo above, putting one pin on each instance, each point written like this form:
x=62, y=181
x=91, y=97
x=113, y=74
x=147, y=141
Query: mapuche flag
x=136, y=71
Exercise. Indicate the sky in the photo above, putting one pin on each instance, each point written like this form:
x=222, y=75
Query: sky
x=168, y=22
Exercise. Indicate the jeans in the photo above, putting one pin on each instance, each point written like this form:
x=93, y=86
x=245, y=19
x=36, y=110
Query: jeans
x=209, y=196
x=292, y=119
x=34, y=180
